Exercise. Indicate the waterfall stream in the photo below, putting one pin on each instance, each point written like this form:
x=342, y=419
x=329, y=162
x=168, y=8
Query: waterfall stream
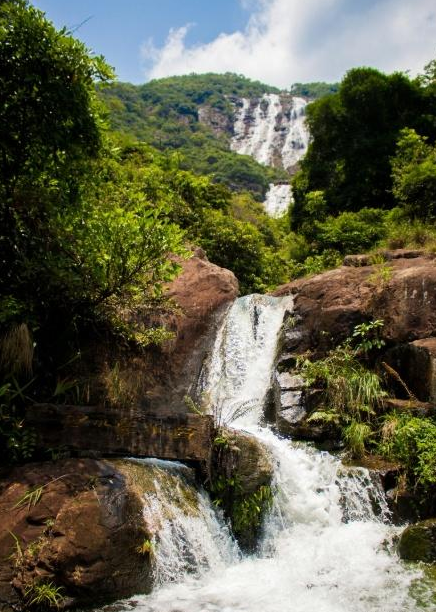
x=327, y=543
x=273, y=130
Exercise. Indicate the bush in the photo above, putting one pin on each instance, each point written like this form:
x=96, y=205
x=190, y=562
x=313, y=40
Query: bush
x=412, y=441
x=349, y=232
x=239, y=246
x=352, y=392
x=414, y=175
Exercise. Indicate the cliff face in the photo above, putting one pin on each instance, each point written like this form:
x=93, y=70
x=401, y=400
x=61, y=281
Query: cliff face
x=270, y=128
x=400, y=292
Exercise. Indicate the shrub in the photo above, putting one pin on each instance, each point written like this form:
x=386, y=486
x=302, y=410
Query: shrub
x=412, y=441
x=352, y=392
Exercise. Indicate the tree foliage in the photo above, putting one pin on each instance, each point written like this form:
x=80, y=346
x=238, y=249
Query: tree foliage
x=414, y=176
x=354, y=134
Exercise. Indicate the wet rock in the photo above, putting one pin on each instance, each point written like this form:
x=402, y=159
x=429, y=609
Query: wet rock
x=418, y=542
x=82, y=534
x=387, y=471
x=242, y=472
x=289, y=401
x=405, y=505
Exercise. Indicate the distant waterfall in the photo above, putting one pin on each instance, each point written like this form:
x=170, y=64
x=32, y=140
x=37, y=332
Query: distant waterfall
x=278, y=198
x=272, y=130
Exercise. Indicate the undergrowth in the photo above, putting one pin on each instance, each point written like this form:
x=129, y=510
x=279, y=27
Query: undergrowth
x=352, y=392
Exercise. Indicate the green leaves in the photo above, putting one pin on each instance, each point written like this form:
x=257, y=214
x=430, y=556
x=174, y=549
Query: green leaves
x=414, y=175
x=352, y=392
x=412, y=441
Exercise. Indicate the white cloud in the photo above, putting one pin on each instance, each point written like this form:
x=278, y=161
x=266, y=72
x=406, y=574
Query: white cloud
x=294, y=40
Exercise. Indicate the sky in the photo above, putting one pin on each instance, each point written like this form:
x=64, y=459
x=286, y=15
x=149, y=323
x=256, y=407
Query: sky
x=276, y=41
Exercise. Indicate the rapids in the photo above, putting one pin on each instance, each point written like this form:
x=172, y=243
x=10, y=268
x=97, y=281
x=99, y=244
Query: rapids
x=327, y=543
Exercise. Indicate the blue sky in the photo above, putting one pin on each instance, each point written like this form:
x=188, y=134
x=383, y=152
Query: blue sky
x=276, y=41
x=118, y=28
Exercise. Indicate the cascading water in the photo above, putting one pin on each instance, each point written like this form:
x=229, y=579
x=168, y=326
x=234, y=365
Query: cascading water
x=297, y=139
x=273, y=131
x=327, y=544
x=189, y=539
x=277, y=199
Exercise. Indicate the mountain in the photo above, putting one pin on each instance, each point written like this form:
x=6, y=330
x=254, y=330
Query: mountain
x=247, y=134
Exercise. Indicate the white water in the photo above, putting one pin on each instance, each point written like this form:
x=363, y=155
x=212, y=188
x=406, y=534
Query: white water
x=189, y=539
x=269, y=134
x=277, y=199
x=297, y=139
x=327, y=543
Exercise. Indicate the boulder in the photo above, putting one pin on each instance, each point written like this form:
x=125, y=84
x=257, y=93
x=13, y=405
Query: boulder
x=81, y=532
x=202, y=293
x=241, y=477
x=418, y=542
x=329, y=305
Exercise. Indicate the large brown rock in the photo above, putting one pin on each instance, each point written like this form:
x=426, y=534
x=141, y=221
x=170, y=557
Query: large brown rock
x=83, y=534
x=111, y=372
x=107, y=431
x=401, y=292
x=201, y=293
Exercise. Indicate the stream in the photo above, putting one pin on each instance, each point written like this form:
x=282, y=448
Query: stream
x=327, y=544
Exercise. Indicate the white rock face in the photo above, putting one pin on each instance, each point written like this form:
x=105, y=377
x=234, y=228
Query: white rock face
x=271, y=129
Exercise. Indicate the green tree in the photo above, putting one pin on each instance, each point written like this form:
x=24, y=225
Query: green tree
x=48, y=105
x=354, y=134
x=414, y=176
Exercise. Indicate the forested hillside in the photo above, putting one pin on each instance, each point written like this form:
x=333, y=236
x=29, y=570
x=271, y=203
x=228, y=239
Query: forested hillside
x=369, y=177
x=194, y=116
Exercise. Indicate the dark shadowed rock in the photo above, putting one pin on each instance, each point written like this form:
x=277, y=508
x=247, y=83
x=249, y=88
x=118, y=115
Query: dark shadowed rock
x=418, y=542
x=82, y=534
x=131, y=432
x=416, y=364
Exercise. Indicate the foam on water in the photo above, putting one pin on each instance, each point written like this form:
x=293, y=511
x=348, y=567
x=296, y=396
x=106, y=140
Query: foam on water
x=327, y=543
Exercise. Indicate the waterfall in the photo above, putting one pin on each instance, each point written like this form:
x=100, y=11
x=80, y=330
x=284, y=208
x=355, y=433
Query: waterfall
x=189, y=538
x=297, y=139
x=277, y=199
x=272, y=130
x=327, y=543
